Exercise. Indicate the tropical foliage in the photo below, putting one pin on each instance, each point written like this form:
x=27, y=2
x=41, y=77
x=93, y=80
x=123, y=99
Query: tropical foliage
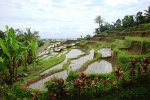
x=127, y=21
x=15, y=53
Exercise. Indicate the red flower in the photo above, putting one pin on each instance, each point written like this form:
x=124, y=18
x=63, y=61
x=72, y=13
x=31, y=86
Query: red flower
x=83, y=76
x=53, y=97
x=104, y=82
x=95, y=79
x=119, y=72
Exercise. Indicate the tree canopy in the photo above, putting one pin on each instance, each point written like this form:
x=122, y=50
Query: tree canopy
x=127, y=21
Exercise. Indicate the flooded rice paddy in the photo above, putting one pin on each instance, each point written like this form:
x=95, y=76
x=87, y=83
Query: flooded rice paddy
x=40, y=84
x=106, y=52
x=75, y=64
x=72, y=54
x=99, y=67
x=63, y=74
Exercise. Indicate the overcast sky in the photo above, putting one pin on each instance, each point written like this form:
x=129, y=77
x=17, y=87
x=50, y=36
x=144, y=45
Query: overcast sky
x=65, y=18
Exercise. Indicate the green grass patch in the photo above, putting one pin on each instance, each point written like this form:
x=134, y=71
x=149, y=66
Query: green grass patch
x=46, y=64
x=144, y=25
x=124, y=56
x=138, y=39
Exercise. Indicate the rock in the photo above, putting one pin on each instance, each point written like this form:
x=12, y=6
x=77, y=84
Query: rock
x=25, y=74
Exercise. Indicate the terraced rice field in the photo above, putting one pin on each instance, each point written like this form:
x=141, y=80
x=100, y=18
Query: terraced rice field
x=99, y=67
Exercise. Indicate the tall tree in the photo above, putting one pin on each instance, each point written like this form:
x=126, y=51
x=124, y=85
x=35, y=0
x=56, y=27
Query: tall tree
x=147, y=15
x=88, y=36
x=105, y=26
x=96, y=30
x=99, y=20
x=140, y=19
x=128, y=21
x=117, y=24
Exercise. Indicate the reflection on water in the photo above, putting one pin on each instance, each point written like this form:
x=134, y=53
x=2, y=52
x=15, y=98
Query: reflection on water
x=101, y=67
x=106, y=52
x=58, y=66
x=40, y=84
x=72, y=54
x=63, y=74
x=75, y=64
x=96, y=67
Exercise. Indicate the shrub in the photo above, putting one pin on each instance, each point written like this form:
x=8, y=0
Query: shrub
x=20, y=91
x=72, y=75
x=56, y=88
x=6, y=93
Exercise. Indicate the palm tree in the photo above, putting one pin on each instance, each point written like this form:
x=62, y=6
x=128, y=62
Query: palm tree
x=99, y=20
x=26, y=38
x=140, y=19
x=31, y=35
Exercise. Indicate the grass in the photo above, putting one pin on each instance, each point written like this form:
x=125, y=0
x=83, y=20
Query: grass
x=127, y=43
x=144, y=25
x=99, y=45
x=138, y=39
x=103, y=34
x=94, y=44
x=44, y=65
x=123, y=56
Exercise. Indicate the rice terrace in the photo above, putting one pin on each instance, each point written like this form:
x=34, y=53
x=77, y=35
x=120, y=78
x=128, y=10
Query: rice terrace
x=75, y=50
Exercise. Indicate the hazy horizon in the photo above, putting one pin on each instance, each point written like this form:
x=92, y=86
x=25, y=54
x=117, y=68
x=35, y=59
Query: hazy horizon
x=62, y=19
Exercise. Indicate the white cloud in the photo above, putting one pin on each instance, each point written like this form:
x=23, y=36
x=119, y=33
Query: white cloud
x=116, y=3
x=64, y=18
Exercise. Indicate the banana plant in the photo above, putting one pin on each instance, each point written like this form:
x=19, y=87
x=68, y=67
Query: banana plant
x=33, y=45
x=11, y=52
x=1, y=59
x=24, y=57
